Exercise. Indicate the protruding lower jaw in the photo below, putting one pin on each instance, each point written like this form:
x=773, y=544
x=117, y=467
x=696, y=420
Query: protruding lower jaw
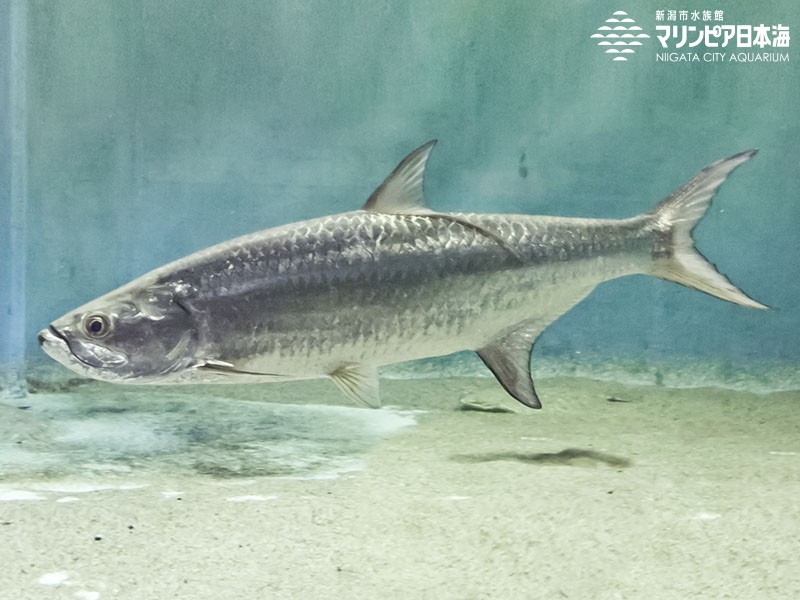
x=55, y=346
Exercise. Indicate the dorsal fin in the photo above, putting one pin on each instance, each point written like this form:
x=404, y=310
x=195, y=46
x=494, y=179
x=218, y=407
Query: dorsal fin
x=401, y=192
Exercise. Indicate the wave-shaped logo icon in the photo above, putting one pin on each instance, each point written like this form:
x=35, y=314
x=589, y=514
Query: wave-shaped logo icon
x=620, y=35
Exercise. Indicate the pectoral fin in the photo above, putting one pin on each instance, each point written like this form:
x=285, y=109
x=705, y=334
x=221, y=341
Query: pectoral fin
x=226, y=368
x=358, y=382
x=509, y=358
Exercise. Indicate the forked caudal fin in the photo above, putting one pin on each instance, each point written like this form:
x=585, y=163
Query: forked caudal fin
x=675, y=257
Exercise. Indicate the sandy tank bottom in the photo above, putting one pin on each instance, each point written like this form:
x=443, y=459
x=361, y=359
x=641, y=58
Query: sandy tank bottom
x=611, y=491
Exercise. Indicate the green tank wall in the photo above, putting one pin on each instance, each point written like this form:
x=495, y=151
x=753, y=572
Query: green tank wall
x=157, y=128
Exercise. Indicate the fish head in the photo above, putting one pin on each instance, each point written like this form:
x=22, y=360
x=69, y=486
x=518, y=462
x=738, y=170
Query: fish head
x=132, y=335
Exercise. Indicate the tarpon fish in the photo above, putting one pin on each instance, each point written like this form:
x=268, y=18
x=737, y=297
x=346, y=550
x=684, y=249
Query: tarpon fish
x=341, y=295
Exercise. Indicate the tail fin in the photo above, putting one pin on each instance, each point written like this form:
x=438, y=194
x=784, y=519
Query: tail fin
x=674, y=218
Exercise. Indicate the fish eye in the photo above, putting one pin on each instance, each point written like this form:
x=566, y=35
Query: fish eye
x=96, y=326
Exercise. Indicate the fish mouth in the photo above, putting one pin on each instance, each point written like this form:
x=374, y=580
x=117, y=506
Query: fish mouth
x=85, y=355
x=51, y=335
x=55, y=344
x=47, y=335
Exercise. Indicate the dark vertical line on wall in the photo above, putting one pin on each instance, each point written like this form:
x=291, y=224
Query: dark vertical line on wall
x=136, y=86
x=6, y=150
x=13, y=122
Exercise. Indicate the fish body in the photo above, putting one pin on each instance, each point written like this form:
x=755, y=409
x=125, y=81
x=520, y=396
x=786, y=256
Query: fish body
x=342, y=295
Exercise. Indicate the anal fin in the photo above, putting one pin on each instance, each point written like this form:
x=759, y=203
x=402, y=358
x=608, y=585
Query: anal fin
x=509, y=358
x=358, y=382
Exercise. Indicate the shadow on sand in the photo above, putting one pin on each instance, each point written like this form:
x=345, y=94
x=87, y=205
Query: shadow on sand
x=571, y=457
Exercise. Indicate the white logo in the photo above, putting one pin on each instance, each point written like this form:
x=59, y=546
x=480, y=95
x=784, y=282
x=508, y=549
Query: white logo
x=620, y=36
